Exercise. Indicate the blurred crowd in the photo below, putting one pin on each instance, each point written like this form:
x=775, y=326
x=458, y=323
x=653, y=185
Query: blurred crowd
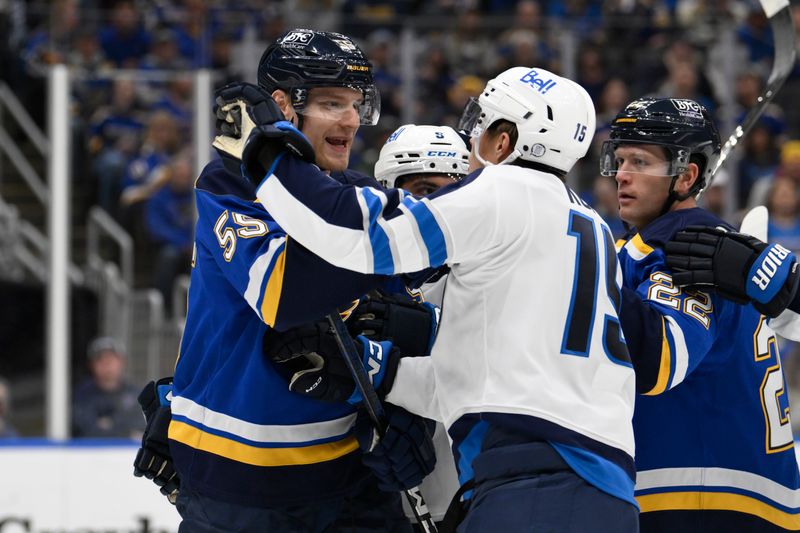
x=132, y=63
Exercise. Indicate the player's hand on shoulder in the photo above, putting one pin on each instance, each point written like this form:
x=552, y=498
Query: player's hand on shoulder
x=737, y=266
x=153, y=459
x=411, y=326
x=404, y=455
x=252, y=131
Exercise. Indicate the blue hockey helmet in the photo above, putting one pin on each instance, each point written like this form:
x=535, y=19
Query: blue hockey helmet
x=302, y=59
x=682, y=127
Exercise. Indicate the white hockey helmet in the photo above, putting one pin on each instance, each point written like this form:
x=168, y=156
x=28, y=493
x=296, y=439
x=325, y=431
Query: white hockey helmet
x=555, y=116
x=413, y=149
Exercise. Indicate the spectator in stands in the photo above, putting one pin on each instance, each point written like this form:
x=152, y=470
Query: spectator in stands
x=104, y=404
x=169, y=217
x=604, y=201
x=144, y=175
x=715, y=197
x=114, y=136
x=125, y=41
x=760, y=157
x=784, y=214
x=164, y=53
x=788, y=168
x=7, y=430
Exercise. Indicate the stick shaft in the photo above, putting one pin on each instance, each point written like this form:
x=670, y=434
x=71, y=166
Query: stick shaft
x=375, y=410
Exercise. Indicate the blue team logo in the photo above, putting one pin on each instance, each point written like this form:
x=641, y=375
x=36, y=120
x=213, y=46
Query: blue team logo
x=535, y=79
x=395, y=135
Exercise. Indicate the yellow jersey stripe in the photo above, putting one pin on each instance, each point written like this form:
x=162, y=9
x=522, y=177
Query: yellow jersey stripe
x=272, y=294
x=663, y=369
x=718, y=501
x=637, y=249
x=253, y=455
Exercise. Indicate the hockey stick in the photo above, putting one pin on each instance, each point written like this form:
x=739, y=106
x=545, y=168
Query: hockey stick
x=375, y=410
x=780, y=20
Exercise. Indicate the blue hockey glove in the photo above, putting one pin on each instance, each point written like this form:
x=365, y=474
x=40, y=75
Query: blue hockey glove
x=404, y=455
x=737, y=266
x=153, y=460
x=253, y=131
x=310, y=360
x=409, y=325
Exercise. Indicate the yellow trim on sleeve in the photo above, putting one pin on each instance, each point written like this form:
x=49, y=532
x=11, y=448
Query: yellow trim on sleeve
x=718, y=501
x=640, y=245
x=253, y=455
x=272, y=294
x=663, y=368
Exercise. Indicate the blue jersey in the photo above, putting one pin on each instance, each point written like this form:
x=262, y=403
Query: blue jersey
x=237, y=433
x=711, y=422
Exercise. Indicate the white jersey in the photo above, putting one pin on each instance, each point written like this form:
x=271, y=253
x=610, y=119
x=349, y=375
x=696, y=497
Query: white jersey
x=529, y=338
x=441, y=485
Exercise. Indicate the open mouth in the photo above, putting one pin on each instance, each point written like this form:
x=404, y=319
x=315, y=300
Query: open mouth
x=339, y=144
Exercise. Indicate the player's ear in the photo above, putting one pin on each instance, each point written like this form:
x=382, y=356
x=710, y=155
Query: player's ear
x=504, y=145
x=684, y=183
x=501, y=145
x=282, y=99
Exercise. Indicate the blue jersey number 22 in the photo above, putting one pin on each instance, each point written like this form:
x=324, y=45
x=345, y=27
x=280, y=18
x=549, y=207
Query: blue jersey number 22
x=577, y=338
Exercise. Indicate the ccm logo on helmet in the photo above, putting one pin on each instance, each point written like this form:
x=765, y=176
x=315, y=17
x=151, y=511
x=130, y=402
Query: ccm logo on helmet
x=533, y=79
x=435, y=153
x=769, y=266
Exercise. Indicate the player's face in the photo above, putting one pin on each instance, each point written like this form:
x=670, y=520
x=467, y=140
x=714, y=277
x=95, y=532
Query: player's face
x=330, y=121
x=423, y=185
x=642, y=186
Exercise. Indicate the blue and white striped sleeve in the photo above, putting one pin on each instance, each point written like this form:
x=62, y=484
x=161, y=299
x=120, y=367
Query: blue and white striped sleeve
x=372, y=230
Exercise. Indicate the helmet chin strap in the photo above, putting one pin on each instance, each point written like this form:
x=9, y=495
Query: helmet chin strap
x=672, y=196
x=477, y=153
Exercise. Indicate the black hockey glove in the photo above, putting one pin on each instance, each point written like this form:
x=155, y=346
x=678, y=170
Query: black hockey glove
x=409, y=325
x=310, y=360
x=153, y=459
x=253, y=131
x=737, y=266
x=404, y=455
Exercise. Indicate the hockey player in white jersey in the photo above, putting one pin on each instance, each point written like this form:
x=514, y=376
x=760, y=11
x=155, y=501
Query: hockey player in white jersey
x=530, y=372
x=421, y=160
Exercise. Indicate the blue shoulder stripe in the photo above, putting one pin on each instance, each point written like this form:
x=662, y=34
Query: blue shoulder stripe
x=429, y=229
x=381, y=251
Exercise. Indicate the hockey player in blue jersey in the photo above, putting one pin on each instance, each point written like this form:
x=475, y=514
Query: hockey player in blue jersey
x=251, y=455
x=530, y=372
x=714, y=446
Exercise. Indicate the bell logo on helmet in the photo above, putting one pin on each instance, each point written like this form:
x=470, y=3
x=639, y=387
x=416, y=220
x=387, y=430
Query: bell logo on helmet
x=533, y=79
